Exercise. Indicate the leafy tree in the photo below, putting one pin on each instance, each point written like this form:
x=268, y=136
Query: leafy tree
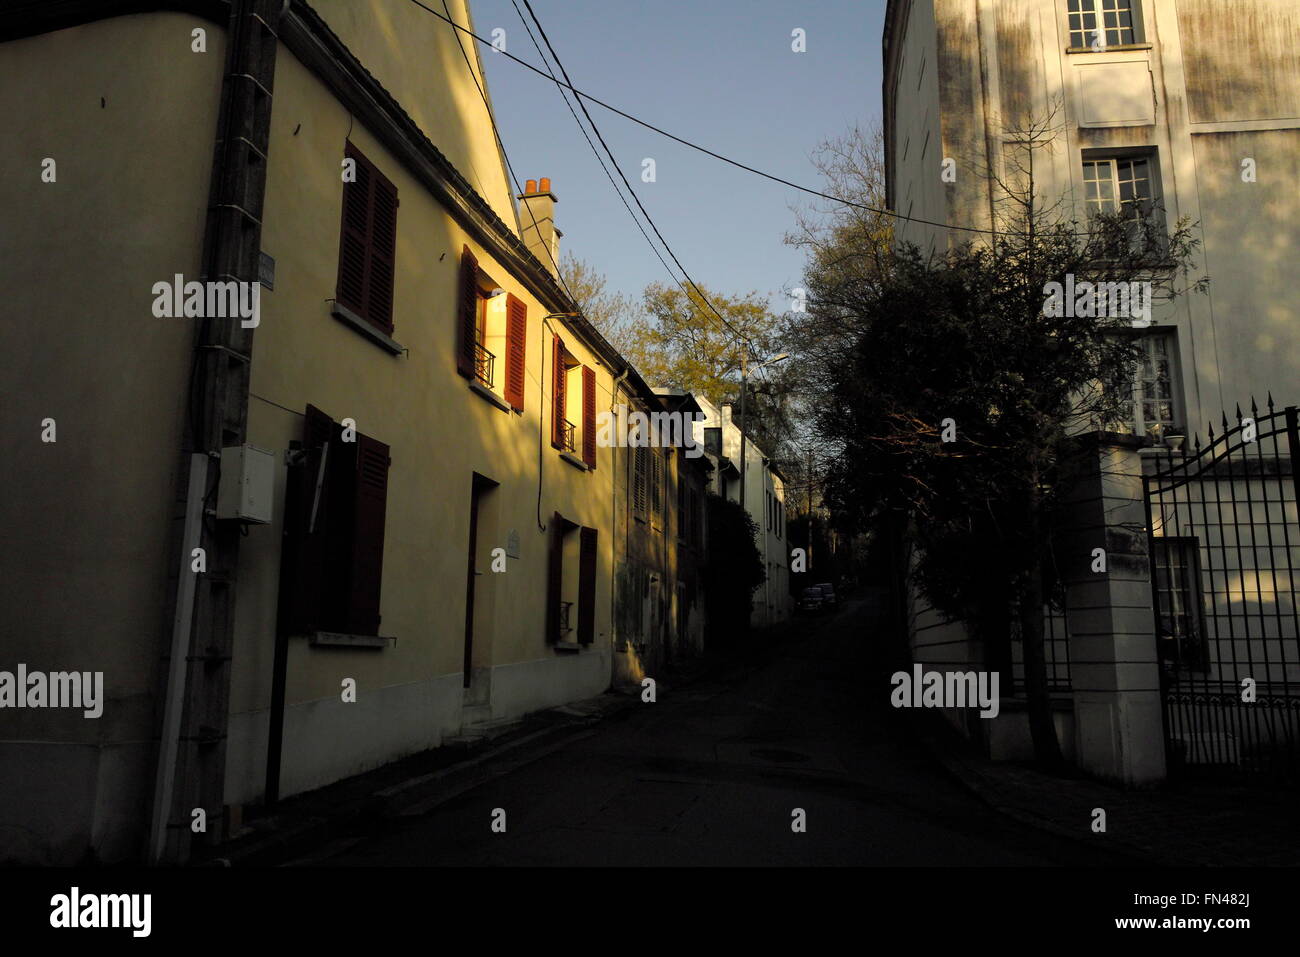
x=609, y=311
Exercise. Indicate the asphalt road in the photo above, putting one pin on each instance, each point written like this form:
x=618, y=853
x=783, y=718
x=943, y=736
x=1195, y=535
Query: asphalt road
x=712, y=774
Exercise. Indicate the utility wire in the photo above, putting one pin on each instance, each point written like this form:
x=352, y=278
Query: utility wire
x=500, y=143
x=595, y=129
x=581, y=95
x=599, y=158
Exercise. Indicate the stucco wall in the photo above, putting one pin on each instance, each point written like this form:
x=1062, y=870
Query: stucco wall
x=84, y=578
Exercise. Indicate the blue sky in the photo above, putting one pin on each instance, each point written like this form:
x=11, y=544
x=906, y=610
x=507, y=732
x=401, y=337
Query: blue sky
x=717, y=72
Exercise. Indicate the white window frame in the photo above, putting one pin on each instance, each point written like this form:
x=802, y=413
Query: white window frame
x=1084, y=17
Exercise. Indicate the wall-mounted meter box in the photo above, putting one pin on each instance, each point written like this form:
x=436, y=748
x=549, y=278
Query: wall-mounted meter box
x=247, y=484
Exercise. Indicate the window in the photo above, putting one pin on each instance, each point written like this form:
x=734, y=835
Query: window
x=1178, y=584
x=563, y=432
x=564, y=592
x=492, y=335
x=656, y=485
x=367, y=244
x=1120, y=23
x=333, y=556
x=1114, y=185
x=683, y=516
x=1154, y=409
x=640, y=479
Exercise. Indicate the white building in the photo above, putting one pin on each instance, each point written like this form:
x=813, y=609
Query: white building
x=764, y=499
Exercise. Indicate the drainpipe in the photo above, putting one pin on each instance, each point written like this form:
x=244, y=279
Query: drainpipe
x=174, y=701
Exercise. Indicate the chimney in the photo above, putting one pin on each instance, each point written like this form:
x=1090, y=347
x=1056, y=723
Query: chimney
x=537, y=222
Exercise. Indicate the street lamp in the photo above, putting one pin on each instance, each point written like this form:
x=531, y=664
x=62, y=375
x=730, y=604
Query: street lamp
x=744, y=376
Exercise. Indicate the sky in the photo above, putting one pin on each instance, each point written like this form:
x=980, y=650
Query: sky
x=720, y=73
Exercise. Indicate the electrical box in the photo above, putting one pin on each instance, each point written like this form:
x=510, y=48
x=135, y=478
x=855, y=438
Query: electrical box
x=247, y=484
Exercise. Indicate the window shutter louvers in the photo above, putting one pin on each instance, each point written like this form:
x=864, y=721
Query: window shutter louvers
x=589, y=417
x=383, y=251
x=354, y=252
x=516, y=351
x=554, y=577
x=558, y=398
x=368, y=245
x=467, y=317
x=587, y=586
x=371, y=490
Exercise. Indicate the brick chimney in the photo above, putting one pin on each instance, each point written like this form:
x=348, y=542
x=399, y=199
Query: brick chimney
x=537, y=205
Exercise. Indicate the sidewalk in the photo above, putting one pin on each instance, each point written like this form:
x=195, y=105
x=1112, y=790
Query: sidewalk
x=1205, y=825
x=304, y=823
x=412, y=785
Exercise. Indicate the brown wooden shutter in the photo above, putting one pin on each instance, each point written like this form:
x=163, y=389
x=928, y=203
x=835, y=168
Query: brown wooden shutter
x=587, y=586
x=303, y=552
x=554, y=577
x=589, y=417
x=367, y=247
x=516, y=351
x=467, y=317
x=559, y=375
x=372, y=463
x=638, y=486
x=383, y=251
x=354, y=245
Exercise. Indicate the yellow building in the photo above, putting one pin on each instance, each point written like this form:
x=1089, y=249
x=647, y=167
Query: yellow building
x=423, y=541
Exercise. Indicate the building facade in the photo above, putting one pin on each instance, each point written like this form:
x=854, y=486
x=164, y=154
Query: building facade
x=374, y=511
x=1172, y=109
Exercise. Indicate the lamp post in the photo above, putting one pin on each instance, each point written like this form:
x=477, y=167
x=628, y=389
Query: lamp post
x=744, y=377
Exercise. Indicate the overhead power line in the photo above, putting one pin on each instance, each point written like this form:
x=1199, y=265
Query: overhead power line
x=581, y=95
x=595, y=129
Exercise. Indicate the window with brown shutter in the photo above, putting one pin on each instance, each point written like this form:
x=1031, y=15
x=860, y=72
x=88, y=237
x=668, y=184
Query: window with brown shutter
x=589, y=417
x=371, y=501
x=587, y=586
x=641, y=462
x=516, y=351
x=368, y=244
x=559, y=383
x=467, y=318
x=335, y=508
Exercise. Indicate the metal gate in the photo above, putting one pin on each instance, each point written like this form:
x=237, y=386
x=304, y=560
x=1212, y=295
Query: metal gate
x=1224, y=543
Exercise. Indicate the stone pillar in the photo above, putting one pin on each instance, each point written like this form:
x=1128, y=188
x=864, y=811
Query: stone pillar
x=1114, y=671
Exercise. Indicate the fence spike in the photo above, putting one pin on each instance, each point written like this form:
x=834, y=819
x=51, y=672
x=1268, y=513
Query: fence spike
x=1270, y=400
x=1198, y=442
x=1254, y=408
x=1238, y=412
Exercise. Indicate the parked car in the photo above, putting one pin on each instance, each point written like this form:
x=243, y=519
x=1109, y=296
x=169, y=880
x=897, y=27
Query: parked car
x=811, y=601
x=828, y=595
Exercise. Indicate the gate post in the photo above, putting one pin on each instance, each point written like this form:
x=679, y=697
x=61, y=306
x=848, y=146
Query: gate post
x=1114, y=670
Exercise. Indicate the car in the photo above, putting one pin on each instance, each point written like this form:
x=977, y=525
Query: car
x=811, y=601
x=828, y=595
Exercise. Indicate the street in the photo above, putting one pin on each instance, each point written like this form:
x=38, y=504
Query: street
x=712, y=774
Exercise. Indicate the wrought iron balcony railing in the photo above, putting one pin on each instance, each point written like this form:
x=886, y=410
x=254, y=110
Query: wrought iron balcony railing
x=569, y=434
x=483, y=363
x=566, y=608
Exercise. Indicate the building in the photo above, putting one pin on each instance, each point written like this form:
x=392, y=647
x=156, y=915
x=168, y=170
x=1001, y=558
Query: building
x=763, y=498
x=306, y=540
x=1166, y=109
